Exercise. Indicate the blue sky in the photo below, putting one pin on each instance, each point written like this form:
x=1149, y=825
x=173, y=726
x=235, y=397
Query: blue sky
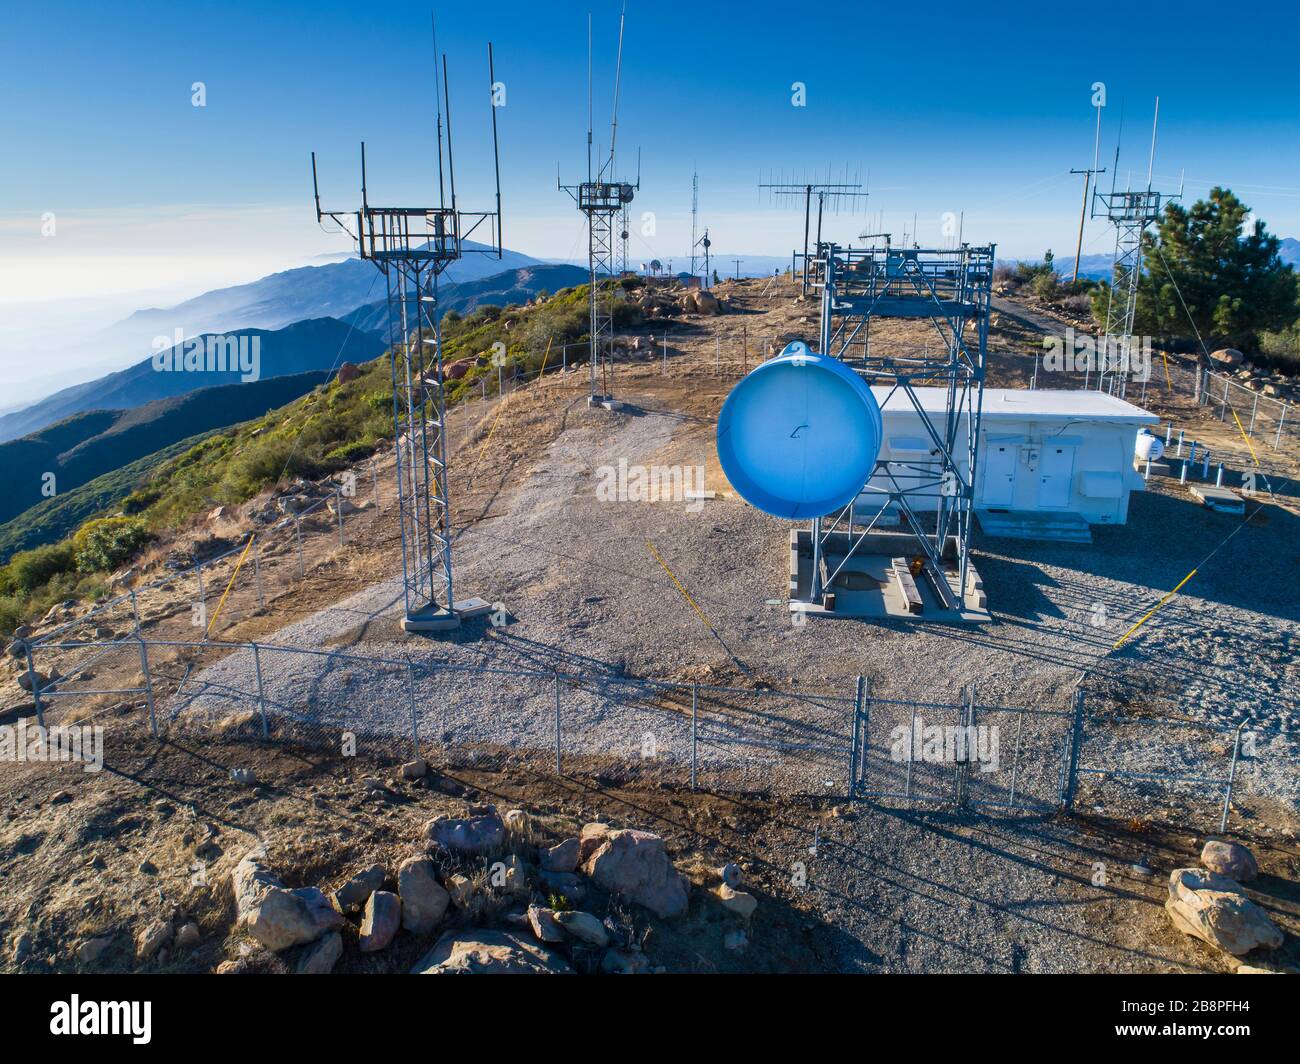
x=963, y=108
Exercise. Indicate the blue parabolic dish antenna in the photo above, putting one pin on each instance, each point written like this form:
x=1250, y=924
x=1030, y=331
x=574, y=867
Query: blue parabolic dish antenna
x=798, y=437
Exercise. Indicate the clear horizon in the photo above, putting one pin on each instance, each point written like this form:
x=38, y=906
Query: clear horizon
x=154, y=200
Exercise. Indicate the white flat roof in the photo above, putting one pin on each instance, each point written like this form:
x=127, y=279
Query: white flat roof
x=1022, y=404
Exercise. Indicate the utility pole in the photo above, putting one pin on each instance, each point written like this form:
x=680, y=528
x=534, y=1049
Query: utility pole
x=737, y=262
x=1087, y=181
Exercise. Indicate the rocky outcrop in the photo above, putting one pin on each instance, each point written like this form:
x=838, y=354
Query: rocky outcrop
x=476, y=834
x=424, y=900
x=1213, y=908
x=635, y=864
x=276, y=917
x=1229, y=859
x=489, y=952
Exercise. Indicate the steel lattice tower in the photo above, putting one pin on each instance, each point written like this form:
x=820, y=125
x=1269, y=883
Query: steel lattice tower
x=951, y=288
x=411, y=247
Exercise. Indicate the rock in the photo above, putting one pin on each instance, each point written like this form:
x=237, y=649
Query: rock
x=347, y=372
x=25, y=679
x=156, y=935
x=735, y=940
x=322, y=955
x=59, y=797
x=731, y=875
x=461, y=892
x=148, y=868
x=706, y=302
x=276, y=917
x=1254, y=969
x=244, y=776
x=737, y=901
x=217, y=513
x=1227, y=356
x=90, y=951
x=188, y=936
x=544, y=924
x=424, y=901
x=415, y=770
x=567, y=885
x=1213, y=909
x=636, y=865
x=561, y=858
x=473, y=834
x=382, y=918
x=511, y=875
x=590, y=839
x=518, y=823
x=357, y=890
x=623, y=962
x=22, y=947
x=489, y=952
x=1229, y=859
x=584, y=927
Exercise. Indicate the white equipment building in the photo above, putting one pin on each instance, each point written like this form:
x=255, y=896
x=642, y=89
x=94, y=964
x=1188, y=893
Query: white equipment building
x=1050, y=463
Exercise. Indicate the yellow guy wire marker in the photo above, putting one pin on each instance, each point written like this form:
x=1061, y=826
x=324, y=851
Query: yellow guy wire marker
x=1146, y=616
x=239, y=565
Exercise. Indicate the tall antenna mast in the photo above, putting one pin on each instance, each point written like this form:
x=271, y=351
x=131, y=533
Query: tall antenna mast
x=1087, y=181
x=411, y=247
x=602, y=199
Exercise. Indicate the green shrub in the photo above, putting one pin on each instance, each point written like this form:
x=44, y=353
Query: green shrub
x=102, y=545
x=11, y=614
x=29, y=569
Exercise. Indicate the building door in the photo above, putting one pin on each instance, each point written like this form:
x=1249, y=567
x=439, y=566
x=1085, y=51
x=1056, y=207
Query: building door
x=999, y=474
x=1055, y=472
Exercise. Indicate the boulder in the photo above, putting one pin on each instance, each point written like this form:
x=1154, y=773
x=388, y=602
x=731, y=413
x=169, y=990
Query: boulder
x=348, y=372
x=636, y=865
x=1229, y=859
x=188, y=936
x=424, y=901
x=490, y=952
x=383, y=916
x=150, y=940
x=461, y=891
x=544, y=925
x=320, y=957
x=561, y=858
x=584, y=927
x=25, y=680
x=591, y=838
x=414, y=770
x=90, y=951
x=1227, y=356
x=706, y=302
x=1212, y=908
x=357, y=890
x=511, y=875
x=731, y=875
x=567, y=885
x=473, y=834
x=737, y=901
x=624, y=962
x=276, y=917
x=459, y=368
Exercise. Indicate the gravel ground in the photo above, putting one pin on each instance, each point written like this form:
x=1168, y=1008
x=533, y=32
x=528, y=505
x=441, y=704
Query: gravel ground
x=585, y=596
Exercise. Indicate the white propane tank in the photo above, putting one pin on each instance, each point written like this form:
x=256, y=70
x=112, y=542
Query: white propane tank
x=1148, y=447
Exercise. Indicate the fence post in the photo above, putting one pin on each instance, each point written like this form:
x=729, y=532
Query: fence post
x=855, y=734
x=135, y=612
x=203, y=606
x=36, y=687
x=338, y=510
x=1072, y=764
x=695, y=705
x=148, y=688
x=297, y=531
x=415, y=728
x=1232, y=775
x=559, y=771
x=374, y=474
x=261, y=691
x=1277, y=440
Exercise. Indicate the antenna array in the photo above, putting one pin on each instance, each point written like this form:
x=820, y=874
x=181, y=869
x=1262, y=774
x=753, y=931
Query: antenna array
x=411, y=247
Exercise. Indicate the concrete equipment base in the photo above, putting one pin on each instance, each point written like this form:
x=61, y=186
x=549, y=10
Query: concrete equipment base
x=870, y=585
x=435, y=618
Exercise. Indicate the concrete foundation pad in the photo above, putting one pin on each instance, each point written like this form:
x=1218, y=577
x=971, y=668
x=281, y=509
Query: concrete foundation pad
x=440, y=619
